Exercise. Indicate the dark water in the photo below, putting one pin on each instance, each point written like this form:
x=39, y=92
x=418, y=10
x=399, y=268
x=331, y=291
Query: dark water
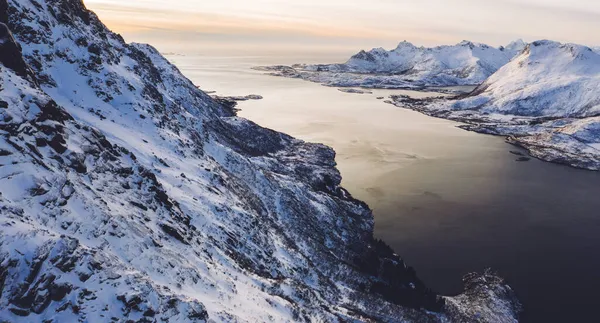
x=449, y=201
x=539, y=229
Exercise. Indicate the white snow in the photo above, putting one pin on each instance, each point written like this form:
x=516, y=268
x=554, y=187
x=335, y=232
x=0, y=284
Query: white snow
x=547, y=99
x=547, y=79
x=409, y=66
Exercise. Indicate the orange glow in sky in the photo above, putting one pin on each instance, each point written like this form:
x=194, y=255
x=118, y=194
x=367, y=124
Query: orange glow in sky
x=350, y=23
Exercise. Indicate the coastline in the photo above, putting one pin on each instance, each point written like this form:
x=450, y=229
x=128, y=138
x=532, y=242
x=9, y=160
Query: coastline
x=540, y=145
x=521, y=132
x=364, y=81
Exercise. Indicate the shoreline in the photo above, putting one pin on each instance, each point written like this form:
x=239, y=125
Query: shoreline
x=485, y=294
x=354, y=80
x=537, y=142
x=539, y=149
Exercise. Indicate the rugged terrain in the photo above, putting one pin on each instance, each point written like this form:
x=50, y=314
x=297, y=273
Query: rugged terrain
x=547, y=100
x=127, y=194
x=408, y=66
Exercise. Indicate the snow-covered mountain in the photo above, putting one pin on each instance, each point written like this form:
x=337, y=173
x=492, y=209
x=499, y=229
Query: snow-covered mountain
x=464, y=63
x=548, y=79
x=514, y=48
x=127, y=194
x=547, y=98
x=409, y=66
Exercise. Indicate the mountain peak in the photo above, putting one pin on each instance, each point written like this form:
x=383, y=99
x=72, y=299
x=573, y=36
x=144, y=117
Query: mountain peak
x=546, y=48
x=544, y=42
x=405, y=44
x=514, y=48
x=466, y=43
x=472, y=45
x=363, y=55
x=518, y=42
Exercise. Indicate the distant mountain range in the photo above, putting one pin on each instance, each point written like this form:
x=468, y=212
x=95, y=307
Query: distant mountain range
x=544, y=95
x=546, y=99
x=464, y=63
x=409, y=66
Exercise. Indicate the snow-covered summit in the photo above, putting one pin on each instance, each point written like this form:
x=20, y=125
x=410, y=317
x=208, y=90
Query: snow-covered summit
x=405, y=45
x=514, y=48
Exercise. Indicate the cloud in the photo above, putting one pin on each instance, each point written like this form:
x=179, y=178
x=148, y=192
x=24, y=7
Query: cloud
x=130, y=19
x=358, y=23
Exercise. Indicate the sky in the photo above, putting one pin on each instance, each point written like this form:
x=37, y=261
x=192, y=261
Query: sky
x=232, y=27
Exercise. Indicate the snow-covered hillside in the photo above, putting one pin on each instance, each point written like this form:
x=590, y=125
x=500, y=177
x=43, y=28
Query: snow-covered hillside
x=409, y=66
x=548, y=79
x=514, y=48
x=547, y=99
x=127, y=194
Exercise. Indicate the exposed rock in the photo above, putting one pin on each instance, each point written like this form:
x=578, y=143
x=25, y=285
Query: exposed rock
x=356, y=91
x=10, y=52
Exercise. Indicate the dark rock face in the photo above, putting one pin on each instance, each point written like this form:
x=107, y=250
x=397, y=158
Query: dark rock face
x=3, y=11
x=10, y=52
x=362, y=55
x=71, y=10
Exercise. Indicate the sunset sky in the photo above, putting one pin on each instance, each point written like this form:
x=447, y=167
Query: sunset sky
x=231, y=26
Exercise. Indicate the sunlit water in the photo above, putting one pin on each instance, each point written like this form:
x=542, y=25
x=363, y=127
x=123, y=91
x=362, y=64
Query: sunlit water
x=447, y=200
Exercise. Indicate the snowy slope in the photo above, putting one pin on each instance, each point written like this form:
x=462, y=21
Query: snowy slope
x=514, y=48
x=128, y=194
x=547, y=98
x=548, y=79
x=408, y=66
x=464, y=63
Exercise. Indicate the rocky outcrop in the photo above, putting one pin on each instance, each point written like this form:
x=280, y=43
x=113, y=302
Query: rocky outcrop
x=10, y=53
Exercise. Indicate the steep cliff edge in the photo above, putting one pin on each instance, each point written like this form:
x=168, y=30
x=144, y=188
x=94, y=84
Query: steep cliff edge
x=128, y=194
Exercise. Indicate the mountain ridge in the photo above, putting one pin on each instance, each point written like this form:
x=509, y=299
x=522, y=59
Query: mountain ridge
x=408, y=66
x=128, y=193
x=546, y=100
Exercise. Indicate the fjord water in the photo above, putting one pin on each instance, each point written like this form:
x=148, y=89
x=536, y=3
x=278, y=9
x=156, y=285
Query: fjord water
x=447, y=200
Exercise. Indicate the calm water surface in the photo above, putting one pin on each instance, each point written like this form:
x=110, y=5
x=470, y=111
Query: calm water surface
x=447, y=200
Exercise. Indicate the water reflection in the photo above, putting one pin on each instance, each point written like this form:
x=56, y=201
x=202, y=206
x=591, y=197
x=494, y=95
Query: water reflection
x=447, y=200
